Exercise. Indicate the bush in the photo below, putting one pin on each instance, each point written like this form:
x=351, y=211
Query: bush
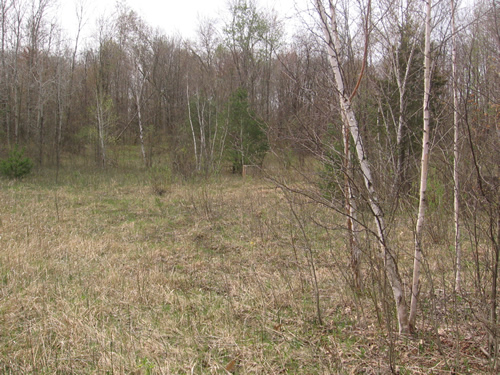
x=16, y=165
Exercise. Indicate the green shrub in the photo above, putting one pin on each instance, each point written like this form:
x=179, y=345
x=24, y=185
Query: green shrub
x=16, y=165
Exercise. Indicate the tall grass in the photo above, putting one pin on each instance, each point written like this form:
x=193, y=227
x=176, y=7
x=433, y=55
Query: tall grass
x=99, y=274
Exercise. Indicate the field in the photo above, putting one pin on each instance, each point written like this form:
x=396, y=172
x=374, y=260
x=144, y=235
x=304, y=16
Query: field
x=123, y=272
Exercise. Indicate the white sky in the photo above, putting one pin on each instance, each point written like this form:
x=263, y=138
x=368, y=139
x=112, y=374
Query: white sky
x=173, y=16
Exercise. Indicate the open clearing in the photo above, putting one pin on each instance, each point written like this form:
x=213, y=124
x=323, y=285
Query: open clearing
x=101, y=274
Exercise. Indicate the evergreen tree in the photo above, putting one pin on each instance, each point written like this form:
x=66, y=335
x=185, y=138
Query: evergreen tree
x=247, y=136
x=16, y=165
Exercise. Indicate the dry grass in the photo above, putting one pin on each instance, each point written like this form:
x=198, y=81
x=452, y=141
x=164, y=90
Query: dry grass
x=99, y=274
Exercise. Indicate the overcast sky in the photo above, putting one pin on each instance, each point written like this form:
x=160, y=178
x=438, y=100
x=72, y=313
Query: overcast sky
x=173, y=16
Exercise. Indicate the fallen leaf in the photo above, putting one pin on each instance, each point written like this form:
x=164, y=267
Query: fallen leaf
x=231, y=365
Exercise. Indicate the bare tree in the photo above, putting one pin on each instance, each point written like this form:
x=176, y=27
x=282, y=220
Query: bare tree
x=423, y=168
x=5, y=13
x=328, y=22
x=65, y=89
x=135, y=39
x=398, y=33
x=19, y=12
x=39, y=47
x=456, y=119
x=103, y=104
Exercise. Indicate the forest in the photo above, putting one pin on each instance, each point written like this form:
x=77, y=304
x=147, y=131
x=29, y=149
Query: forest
x=256, y=199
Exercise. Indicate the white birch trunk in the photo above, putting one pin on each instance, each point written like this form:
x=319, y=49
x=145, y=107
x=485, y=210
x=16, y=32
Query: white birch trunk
x=350, y=206
x=423, y=169
x=222, y=141
x=141, y=128
x=101, y=126
x=192, y=131
x=201, y=121
x=5, y=76
x=60, y=114
x=456, y=185
x=212, y=145
x=333, y=43
x=138, y=88
x=40, y=111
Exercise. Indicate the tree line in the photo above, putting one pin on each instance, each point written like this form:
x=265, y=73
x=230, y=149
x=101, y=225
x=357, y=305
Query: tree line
x=205, y=101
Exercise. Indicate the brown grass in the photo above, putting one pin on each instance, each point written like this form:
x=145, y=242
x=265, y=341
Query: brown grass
x=99, y=274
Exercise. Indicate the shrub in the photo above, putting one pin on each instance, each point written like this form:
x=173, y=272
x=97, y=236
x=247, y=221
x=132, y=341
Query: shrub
x=16, y=165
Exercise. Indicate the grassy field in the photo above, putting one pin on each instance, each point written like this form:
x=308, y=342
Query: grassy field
x=114, y=272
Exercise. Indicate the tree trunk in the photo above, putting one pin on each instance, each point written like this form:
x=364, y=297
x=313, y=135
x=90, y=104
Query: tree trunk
x=100, y=113
x=423, y=169
x=141, y=130
x=333, y=44
x=60, y=115
x=493, y=337
x=40, y=113
x=65, y=115
x=402, y=124
x=195, y=144
x=350, y=208
x=456, y=185
x=4, y=83
x=139, y=85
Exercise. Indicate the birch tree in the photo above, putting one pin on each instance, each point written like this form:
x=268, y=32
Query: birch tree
x=207, y=96
x=137, y=50
x=138, y=83
x=423, y=168
x=39, y=48
x=65, y=89
x=456, y=185
x=328, y=22
x=103, y=104
x=398, y=32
